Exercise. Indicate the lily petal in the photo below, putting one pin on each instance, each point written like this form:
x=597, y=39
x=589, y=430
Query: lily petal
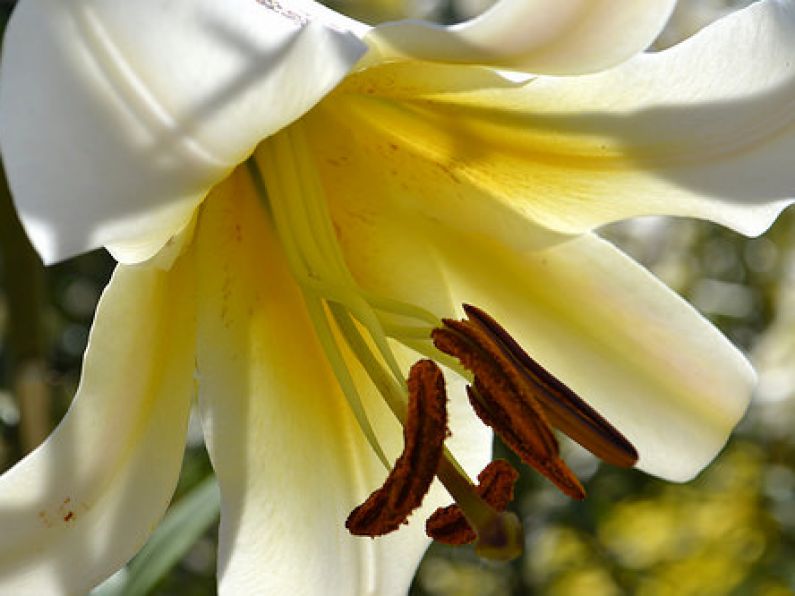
x=379, y=157
x=290, y=460
x=137, y=108
x=83, y=503
x=705, y=129
x=538, y=36
x=628, y=345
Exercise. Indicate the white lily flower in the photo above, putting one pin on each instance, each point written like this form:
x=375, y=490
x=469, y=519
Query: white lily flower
x=266, y=173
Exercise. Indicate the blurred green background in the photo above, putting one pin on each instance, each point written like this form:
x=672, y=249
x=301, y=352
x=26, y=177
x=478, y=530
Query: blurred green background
x=731, y=531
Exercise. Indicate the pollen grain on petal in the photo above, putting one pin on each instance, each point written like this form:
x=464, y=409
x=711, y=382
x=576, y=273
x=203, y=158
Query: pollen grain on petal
x=424, y=434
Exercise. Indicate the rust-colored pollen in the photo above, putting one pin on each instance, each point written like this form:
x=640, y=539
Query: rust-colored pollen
x=520, y=400
x=563, y=407
x=503, y=402
x=407, y=484
x=495, y=485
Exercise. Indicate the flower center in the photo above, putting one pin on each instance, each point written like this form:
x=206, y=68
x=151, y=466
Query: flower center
x=509, y=391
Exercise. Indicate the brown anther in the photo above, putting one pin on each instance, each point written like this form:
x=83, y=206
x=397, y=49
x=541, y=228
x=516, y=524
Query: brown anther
x=407, y=484
x=495, y=485
x=520, y=400
x=564, y=409
x=504, y=402
x=530, y=438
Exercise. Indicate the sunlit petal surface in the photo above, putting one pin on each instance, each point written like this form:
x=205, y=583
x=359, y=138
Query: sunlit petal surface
x=290, y=458
x=632, y=348
x=539, y=36
x=706, y=129
x=637, y=352
x=77, y=508
x=407, y=188
x=104, y=148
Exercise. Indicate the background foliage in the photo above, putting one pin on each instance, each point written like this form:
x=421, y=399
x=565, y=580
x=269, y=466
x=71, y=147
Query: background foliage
x=731, y=531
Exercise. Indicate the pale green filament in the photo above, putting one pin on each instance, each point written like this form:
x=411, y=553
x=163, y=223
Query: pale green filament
x=287, y=182
x=427, y=349
x=393, y=392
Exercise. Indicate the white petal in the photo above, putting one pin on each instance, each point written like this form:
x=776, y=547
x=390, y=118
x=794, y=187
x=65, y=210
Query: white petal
x=116, y=117
x=628, y=345
x=540, y=36
x=290, y=459
x=708, y=127
x=704, y=130
x=78, y=507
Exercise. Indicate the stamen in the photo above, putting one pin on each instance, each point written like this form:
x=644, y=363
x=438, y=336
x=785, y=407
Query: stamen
x=449, y=525
x=410, y=479
x=509, y=390
x=504, y=401
x=499, y=533
x=285, y=178
x=564, y=408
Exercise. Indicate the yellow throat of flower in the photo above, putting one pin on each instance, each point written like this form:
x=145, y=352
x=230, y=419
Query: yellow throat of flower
x=509, y=391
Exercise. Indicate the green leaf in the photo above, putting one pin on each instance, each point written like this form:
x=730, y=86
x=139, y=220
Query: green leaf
x=181, y=527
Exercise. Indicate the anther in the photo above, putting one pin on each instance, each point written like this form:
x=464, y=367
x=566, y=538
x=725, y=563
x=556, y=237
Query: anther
x=495, y=486
x=564, y=409
x=424, y=433
x=503, y=402
x=531, y=438
x=499, y=533
x=520, y=400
